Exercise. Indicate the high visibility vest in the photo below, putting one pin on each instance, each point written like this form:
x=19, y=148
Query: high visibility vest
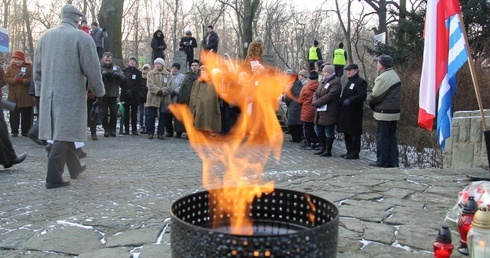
x=339, y=56
x=313, y=55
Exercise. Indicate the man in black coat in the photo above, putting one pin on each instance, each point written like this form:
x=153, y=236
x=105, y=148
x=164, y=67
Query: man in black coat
x=187, y=44
x=351, y=111
x=211, y=41
x=130, y=94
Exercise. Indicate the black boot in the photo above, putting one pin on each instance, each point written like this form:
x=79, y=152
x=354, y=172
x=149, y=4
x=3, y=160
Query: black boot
x=323, y=146
x=328, y=151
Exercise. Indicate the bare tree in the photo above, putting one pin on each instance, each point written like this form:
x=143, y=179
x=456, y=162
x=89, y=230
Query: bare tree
x=27, y=22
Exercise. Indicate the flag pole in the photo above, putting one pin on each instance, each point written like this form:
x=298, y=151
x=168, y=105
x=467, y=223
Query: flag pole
x=473, y=74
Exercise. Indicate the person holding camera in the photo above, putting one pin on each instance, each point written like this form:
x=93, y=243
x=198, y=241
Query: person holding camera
x=18, y=78
x=113, y=77
x=99, y=35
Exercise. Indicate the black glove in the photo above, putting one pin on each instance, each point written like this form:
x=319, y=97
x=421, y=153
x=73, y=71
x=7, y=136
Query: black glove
x=97, y=101
x=105, y=75
x=129, y=94
x=115, y=75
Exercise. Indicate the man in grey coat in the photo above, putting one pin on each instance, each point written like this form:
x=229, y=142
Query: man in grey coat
x=64, y=58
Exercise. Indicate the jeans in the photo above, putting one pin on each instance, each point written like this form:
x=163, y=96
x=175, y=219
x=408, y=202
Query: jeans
x=153, y=112
x=386, y=144
x=326, y=131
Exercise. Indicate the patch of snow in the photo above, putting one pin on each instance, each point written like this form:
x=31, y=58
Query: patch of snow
x=62, y=222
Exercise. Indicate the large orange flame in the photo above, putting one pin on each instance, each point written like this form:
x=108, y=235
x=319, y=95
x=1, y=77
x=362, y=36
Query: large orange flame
x=233, y=163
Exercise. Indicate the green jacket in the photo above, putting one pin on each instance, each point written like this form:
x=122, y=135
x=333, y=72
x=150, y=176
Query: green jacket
x=385, y=98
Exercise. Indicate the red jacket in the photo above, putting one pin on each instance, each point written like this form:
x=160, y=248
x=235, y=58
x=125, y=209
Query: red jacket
x=305, y=100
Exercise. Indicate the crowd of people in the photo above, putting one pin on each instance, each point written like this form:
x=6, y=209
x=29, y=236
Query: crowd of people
x=317, y=104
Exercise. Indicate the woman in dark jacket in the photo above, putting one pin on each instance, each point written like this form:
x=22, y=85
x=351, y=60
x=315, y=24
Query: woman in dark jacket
x=326, y=101
x=158, y=45
x=130, y=94
x=294, y=111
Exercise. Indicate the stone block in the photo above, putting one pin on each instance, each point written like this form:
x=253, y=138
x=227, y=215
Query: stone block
x=181, y=58
x=462, y=155
x=476, y=129
x=464, y=130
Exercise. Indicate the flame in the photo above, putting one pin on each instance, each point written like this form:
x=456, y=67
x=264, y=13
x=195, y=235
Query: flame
x=233, y=163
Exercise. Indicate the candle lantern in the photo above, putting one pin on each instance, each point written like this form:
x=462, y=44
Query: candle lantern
x=442, y=246
x=479, y=234
x=464, y=223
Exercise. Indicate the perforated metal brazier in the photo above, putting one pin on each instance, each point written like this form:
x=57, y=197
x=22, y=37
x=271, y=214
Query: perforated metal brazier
x=282, y=227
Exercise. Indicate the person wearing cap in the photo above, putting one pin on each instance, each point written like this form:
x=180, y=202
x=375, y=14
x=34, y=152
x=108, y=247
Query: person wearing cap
x=351, y=111
x=339, y=59
x=130, y=94
x=158, y=45
x=294, y=108
x=183, y=97
x=175, y=84
x=303, y=76
x=141, y=102
x=385, y=100
x=187, y=44
x=113, y=79
x=18, y=78
x=305, y=99
x=314, y=54
x=326, y=101
x=63, y=95
x=158, y=98
x=8, y=157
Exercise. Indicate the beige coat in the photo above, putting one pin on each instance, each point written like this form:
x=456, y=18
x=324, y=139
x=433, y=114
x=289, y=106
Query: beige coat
x=156, y=81
x=19, y=92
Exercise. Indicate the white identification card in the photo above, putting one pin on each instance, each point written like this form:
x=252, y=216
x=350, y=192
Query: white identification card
x=114, y=68
x=23, y=70
x=352, y=86
x=133, y=76
x=326, y=86
x=322, y=108
x=165, y=80
x=177, y=81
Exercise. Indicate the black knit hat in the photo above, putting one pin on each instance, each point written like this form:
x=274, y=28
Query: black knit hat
x=385, y=60
x=176, y=65
x=313, y=75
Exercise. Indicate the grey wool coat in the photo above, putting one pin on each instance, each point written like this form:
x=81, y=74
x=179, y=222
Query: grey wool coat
x=65, y=57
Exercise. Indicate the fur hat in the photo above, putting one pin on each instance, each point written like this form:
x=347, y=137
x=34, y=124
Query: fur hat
x=19, y=55
x=313, y=75
x=176, y=65
x=329, y=69
x=146, y=66
x=303, y=73
x=70, y=12
x=159, y=61
x=385, y=60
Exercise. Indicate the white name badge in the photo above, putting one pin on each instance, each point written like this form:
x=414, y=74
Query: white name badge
x=326, y=86
x=114, y=68
x=23, y=70
x=177, y=81
x=133, y=76
x=352, y=86
x=165, y=80
x=322, y=108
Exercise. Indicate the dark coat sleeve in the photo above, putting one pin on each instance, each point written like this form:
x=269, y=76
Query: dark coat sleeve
x=319, y=53
x=154, y=44
x=361, y=92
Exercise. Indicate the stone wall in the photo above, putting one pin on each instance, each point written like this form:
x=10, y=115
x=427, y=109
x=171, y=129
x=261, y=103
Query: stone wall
x=466, y=146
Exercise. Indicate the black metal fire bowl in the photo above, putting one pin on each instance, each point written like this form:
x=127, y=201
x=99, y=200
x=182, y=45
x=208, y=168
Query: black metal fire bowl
x=282, y=227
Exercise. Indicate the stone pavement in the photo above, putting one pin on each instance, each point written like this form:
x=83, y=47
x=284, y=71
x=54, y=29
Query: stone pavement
x=120, y=206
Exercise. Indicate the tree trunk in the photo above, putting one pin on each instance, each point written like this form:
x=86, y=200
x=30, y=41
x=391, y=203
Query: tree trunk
x=6, y=5
x=25, y=15
x=174, y=26
x=110, y=18
x=250, y=9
